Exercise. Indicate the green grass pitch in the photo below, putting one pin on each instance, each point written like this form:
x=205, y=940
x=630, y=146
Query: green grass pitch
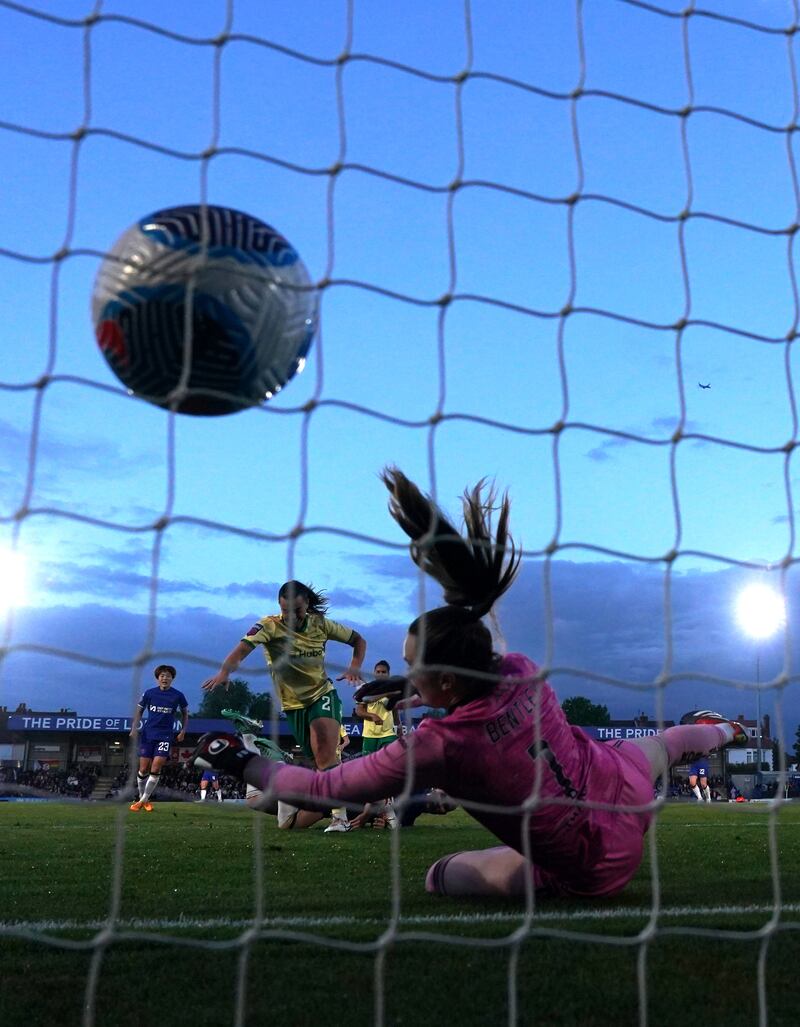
x=216, y=917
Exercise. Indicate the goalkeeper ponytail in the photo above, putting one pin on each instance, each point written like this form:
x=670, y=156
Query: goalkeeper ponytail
x=474, y=569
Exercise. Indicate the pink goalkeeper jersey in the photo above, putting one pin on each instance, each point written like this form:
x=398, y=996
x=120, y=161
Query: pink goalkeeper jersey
x=505, y=749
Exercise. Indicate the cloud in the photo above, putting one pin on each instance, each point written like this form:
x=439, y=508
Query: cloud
x=658, y=428
x=65, y=450
x=602, y=451
x=120, y=582
x=102, y=670
x=66, y=465
x=102, y=649
x=668, y=424
x=338, y=598
x=256, y=589
x=609, y=620
x=617, y=620
x=349, y=599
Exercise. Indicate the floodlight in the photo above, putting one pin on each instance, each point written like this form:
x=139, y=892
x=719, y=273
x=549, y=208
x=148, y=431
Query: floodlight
x=760, y=610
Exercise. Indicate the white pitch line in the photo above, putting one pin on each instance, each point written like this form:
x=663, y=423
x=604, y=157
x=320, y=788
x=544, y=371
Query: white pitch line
x=616, y=913
x=764, y=825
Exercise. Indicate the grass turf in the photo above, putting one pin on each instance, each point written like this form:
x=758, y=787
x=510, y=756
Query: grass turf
x=193, y=881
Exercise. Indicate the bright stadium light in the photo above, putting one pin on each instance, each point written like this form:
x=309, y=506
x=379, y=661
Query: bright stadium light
x=760, y=611
x=12, y=579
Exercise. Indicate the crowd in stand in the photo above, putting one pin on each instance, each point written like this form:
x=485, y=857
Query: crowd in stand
x=178, y=782
x=721, y=790
x=118, y=784
x=77, y=781
x=184, y=780
x=681, y=789
x=768, y=789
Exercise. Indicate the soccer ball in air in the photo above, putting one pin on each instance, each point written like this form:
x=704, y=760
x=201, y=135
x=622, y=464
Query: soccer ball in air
x=204, y=310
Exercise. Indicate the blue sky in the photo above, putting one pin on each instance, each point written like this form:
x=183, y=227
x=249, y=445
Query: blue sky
x=558, y=367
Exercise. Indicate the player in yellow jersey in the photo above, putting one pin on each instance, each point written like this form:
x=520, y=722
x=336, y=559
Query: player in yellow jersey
x=379, y=730
x=379, y=726
x=294, y=644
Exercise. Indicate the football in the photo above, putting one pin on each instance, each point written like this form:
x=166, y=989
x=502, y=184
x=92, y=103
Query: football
x=204, y=310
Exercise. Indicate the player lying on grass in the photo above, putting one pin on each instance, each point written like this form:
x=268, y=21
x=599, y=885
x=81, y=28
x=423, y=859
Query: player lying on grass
x=570, y=812
x=250, y=730
x=255, y=742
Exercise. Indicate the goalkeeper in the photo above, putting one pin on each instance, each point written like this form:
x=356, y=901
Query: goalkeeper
x=570, y=813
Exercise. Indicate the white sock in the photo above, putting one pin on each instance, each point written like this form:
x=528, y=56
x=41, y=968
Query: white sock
x=219, y=795
x=696, y=791
x=287, y=814
x=203, y=794
x=141, y=781
x=150, y=787
x=707, y=793
x=340, y=813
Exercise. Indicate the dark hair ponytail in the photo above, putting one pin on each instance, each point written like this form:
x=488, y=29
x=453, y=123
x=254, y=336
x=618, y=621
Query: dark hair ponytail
x=317, y=600
x=474, y=570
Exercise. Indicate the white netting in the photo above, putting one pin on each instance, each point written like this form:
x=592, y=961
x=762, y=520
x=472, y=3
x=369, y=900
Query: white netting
x=530, y=240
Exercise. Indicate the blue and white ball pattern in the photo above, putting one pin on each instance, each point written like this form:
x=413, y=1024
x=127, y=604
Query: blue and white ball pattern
x=204, y=310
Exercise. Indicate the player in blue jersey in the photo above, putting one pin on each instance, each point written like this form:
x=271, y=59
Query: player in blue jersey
x=161, y=704
x=698, y=780
x=210, y=777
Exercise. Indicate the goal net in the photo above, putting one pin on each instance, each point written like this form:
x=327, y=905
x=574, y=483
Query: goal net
x=555, y=247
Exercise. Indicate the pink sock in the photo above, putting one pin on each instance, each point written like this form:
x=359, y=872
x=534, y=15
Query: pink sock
x=434, y=879
x=686, y=742
x=498, y=871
